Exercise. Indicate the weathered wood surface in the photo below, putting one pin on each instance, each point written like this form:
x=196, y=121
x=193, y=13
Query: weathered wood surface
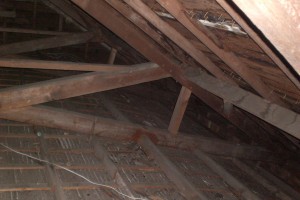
x=179, y=110
x=46, y=43
x=77, y=85
x=278, y=20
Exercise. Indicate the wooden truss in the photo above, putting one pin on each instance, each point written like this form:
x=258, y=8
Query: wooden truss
x=212, y=86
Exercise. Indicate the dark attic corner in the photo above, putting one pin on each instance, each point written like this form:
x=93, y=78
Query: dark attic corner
x=149, y=99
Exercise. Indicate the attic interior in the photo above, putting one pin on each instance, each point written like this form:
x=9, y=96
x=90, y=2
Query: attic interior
x=149, y=99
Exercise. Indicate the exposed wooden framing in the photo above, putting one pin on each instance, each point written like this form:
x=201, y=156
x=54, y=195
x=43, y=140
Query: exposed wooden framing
x=136, y=38
x=88, y=124
x=180, y=40
x=46, y=43
x=139, y=21
x=61, y=65
x=187, y=189
x=179, y=110
x=231, y=180
x=233, y=13
x=229, y=58
x=278, y=20
x=77, y=85
x=113, y=170
x=264, y=182
x=31, y=31
x=112, y=56
x=54, y=181
x=7, y=14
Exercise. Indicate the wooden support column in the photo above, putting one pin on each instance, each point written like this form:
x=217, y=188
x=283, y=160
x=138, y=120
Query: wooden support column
x=123, y=184
x=231, y=180
x=187, y=189
x=255, y=36
x=46, y=43
x=229, y=58
x=77, y=85
x=179, y=110
x=112, y=56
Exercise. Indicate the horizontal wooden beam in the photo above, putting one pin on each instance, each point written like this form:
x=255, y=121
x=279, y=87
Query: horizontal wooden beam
x=31, y=31
x=60, y=65
x=46, y=43
x=77, y=85
x=88, y=124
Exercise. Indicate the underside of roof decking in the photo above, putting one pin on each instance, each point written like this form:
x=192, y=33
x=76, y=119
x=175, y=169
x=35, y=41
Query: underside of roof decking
x=149, y=99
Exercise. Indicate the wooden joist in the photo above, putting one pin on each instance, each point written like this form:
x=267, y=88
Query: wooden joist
x=179, y=110
x=278, y=20
x=88, y=124
x=186, y=188
x=229, y=58
x=60, y=65
x=46, y=43
x=77, y=85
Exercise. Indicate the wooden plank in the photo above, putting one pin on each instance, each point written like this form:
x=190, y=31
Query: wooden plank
x=180, y=40
x=113, y=170
x=229, y=58
x=187, y=189
x=255, y=36
x=60, y=65
x=282, y=118
x=112, y=56
x=179, y=110
x=88, y=124
x=46, y=43
x=278, y=20
x=264, y=182
x=54, y=182
x=31, y=31
x=230, y=179
x=77, y=85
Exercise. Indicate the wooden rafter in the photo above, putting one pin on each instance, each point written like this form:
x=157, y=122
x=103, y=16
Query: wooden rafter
x=31, y=31
x=180, y=40
x=143, y=44
x=234, y=14
x=237, y=65
x=46, y=43
x=77, y=85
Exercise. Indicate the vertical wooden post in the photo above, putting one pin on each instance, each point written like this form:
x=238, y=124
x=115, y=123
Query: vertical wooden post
x=112, y=56
x=179, y=110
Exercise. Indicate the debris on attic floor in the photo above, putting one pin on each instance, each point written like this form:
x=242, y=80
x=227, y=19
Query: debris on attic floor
x=130, y=100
